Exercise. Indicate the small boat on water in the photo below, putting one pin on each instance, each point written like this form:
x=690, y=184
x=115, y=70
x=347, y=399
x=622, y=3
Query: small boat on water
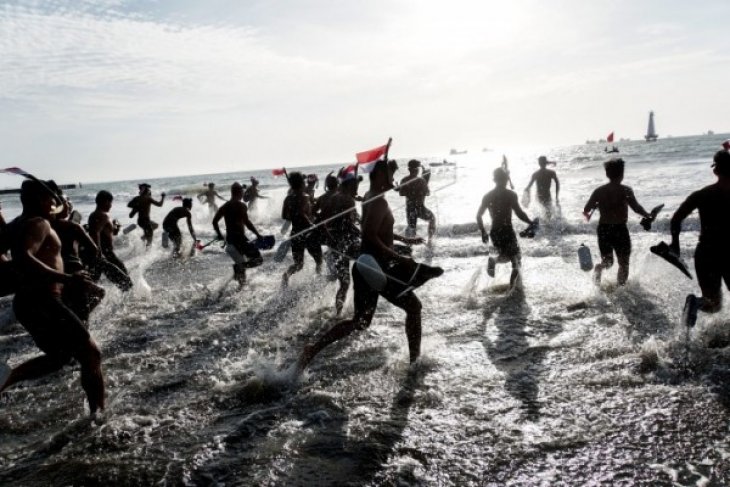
x=454, y=152
x=445, y=163
x=651, y=135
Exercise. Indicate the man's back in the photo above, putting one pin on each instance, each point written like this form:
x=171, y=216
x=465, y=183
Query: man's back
x=613, y=200
x=543, y=179
x=414, y=188
x=234, y=215
x=500, y=202
x=297, y=208
x=174, y=215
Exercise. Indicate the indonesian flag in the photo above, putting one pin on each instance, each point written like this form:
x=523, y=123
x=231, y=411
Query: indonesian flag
x=14, y=170
x=610, y=137
x=366, y=160
x=278, y=172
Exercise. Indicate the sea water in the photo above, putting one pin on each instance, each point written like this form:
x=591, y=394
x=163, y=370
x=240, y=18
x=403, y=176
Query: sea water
x=512, y=387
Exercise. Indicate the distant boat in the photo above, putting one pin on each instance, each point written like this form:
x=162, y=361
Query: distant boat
x=710, y=132
x=486, y=149
x=454, y=152
x=441, y=164
x=651, y=135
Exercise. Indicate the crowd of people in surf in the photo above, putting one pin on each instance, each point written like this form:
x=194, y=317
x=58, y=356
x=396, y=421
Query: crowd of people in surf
x=53, y=264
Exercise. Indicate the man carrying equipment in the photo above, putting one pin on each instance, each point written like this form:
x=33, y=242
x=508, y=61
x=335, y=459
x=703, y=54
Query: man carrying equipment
x=712, y=255
x=244, y=253
x=613, y=201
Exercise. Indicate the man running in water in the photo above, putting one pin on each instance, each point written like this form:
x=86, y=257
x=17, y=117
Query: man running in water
x=251, y=194
x=312, y=183
x=169, y=225
x=343, y=235
x=415, y=189
x=244, y=253
x=543, y=178
x=208, y=196
x=142, y=205
x=712, y=255
x=82, y=298
x=56, y=330
x=613, y=201
x=402, y=272
x=297, y=208
x=102, y=231
x=501, y=202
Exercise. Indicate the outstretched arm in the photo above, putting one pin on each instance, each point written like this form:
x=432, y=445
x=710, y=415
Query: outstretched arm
x=219, y=196
x=158, y=203
x=532, y=180
x=685, y=209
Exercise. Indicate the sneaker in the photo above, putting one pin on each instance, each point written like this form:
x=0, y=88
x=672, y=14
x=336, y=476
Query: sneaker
x=491, y=265
x=689, y=314
x=5, y=371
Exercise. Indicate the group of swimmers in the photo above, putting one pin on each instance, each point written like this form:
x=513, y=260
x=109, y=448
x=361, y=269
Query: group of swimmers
x=56, y=263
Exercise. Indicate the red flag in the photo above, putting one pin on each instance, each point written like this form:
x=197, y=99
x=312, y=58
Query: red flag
x=278, y=172
x=610, y=137
x=349, y=169
x=371, y=155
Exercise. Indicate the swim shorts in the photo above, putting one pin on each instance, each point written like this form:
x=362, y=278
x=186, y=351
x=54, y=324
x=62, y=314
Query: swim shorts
x=614, y=238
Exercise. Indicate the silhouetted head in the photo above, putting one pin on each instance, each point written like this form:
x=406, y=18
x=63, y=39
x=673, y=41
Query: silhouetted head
x=413, y=166
x=145, y=188
x=254, y=181
x=37, y=199
x=500, y=177
x=330, y=182
x=721, y=164
x=349, y=182
x=393, y=166
x=187, y=203
x=236, y=191
x=296, y=181
x=104, y=200
x=381, y=177
x=542, y=161
x=614, y=169
x=211, y=185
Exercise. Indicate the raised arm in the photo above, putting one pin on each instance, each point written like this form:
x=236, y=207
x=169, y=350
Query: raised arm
x=685, y=209
x=158, y=203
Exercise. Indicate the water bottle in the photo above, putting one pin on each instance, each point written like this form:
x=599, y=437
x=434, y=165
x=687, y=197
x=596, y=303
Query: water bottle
x=584, y=257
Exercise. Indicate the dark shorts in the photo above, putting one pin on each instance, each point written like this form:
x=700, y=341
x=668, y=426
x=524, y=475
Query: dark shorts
x=504, y=240
x=173, y=232
x=55, y=329
x=366, y=298
x=309, y=241
x=414, y=211
x=712, y=266
x=614, y=238
x=147, y=225
x=247, y=249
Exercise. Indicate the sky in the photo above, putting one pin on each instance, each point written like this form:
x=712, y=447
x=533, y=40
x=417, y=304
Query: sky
x=101, y=90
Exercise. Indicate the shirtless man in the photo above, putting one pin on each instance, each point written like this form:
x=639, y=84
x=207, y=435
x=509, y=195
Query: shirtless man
x=403, y=273
x=312, y=183
x=501, y=202
x=208, y=197
x=343, y=235
x=415, y=189
x=56, y=330
x=80, y=297
x=712, y=255
x=244, y=253
x=142, y=205
x=169, y=224
x=102, y=231
x=543, y=178
x=297, y=209
x=330, y=189
x=251, y=194
x=613, y=201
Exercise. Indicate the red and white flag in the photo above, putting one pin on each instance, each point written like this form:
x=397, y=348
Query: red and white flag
x=366, y=160
x=278, y=172
x=610, y=137
x=14, y=170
